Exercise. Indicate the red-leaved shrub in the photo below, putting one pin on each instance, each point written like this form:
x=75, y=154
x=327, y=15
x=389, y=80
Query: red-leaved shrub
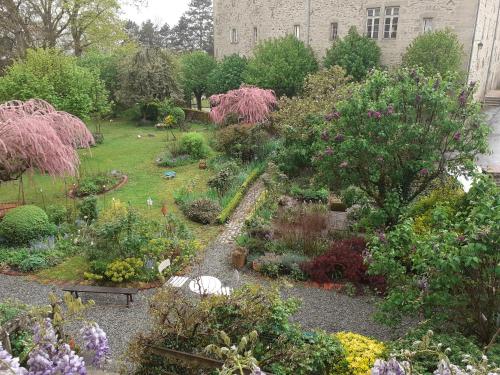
x=344, y=260
x=249, y=104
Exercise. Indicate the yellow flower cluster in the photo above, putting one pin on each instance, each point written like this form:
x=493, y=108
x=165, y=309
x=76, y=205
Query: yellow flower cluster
x=169, y=121
x=361, y=351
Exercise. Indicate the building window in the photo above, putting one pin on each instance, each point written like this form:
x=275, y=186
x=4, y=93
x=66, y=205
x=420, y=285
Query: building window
x=234, y=36
x=296, y=31
x=334, y=30
x=391, y=22
x=373, y=23
x=255, y=35
x=427, y=25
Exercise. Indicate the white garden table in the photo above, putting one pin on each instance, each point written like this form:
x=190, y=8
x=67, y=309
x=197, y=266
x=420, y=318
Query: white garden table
x=205, y=285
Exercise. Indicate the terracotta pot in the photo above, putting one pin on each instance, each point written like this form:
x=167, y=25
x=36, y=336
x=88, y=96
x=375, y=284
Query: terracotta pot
x=239, y=258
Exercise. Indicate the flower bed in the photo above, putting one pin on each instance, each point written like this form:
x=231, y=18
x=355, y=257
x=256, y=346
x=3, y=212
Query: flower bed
x=98, y=184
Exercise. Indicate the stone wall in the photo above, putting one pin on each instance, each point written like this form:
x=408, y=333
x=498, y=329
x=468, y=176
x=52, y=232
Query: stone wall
x=485, y=57
x=274, y=18
x=474, y=21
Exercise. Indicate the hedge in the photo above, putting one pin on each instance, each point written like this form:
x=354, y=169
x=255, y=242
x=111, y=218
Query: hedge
x=240, y=194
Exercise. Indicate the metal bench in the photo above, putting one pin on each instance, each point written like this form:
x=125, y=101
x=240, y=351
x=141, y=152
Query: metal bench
x=75, y=289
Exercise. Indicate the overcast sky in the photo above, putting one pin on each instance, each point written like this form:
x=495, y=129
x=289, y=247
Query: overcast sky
x=159, y=11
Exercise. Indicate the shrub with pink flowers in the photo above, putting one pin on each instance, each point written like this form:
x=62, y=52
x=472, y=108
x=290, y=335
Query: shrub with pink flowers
x=248, y=105
x=398, y=133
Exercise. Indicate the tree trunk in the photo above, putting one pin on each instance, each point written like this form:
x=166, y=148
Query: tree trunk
x=198, y=102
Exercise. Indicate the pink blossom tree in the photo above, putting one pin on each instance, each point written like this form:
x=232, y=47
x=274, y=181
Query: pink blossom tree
x=33, y=135
x=250, y=104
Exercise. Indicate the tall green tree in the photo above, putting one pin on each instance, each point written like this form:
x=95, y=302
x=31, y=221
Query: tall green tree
x=149, y=74
x=195, y=70
x=199, y=17
x=356, y=53
x=436, y=52
x=55, y=77
x=228, y=75
x=281, y=64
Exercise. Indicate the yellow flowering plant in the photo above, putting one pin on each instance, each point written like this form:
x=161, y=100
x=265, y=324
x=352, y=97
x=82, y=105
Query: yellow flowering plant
x=362, y=351
x=169, y=121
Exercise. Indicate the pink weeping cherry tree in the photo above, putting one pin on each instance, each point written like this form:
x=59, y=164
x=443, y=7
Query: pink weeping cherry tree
x=250, y=104
x=34, y=136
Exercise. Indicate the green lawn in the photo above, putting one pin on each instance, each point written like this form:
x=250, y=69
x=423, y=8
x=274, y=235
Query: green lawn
x=123, y=150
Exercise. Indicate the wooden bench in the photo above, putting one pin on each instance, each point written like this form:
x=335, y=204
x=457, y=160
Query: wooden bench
x=75, y=289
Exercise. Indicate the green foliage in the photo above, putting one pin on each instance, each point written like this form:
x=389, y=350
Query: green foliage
x=57, y=78
x=425, y=363
x=356, y=53
x=405, y=126
x=195, y=70
x=448, y=273
x=148, y=75
x=203, y=211
x=96, y=184
x=281, y=64
x=194, y=145
x=227, y=75
x=57, y=214
x=435, y=52
x=24, y=224
x=310, y=194
x=244, y=142
x=124, y=270
x=278, y=346
x=87, y=209
x=240, y=194
x=299, y=120
x=221, y=182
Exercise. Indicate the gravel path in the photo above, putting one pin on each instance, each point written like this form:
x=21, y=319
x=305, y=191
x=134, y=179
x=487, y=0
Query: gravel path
x=320, y=308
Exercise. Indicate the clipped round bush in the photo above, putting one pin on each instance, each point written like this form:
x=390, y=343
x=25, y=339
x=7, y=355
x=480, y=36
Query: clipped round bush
x=202, y=211
x=24, y=224
x=195, y=145
x=178, y=114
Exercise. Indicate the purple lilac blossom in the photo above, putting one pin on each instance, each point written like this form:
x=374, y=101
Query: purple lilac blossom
x=462, y=99
x=95, y=340
x=10, y=364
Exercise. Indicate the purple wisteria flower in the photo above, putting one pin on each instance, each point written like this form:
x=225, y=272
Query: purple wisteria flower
x=329, y=151
x=68, y=363
x=391, y=367
x=49, y=359
x=423, y=172
x=96, y=341
x=325, y=136
x=445, y=368
x=457, y=136
x=9, y=364
x=377, y=115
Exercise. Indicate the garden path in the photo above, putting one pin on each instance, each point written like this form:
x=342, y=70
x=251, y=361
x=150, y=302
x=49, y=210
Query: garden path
x=321, y=308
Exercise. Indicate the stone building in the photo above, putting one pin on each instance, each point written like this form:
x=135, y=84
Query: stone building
x=241, y=24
